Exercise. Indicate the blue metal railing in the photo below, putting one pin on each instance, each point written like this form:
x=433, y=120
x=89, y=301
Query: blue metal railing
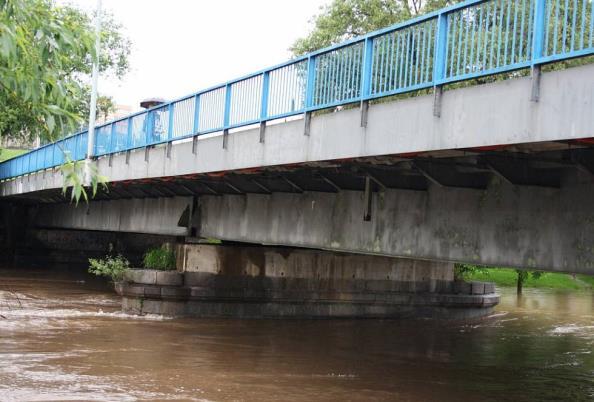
x=472, y=39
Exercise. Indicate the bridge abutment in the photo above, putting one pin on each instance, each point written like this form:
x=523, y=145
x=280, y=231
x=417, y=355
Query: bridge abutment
x=71, y=249
x=276, y=282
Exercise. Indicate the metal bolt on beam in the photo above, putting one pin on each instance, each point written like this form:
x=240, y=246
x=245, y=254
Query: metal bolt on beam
x=262, y=132
x=437, y=100
x=225, y=138
x=195, y=145
x=364, y=113
x=536, y=78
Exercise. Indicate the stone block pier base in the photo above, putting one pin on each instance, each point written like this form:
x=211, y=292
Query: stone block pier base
x=274, y=282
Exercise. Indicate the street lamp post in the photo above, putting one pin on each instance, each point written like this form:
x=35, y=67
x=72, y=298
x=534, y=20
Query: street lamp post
x=94, y=85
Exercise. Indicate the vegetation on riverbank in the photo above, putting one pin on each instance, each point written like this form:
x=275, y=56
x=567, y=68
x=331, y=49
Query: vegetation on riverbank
x=112, y=266
x=505, y=277
x=8, y=153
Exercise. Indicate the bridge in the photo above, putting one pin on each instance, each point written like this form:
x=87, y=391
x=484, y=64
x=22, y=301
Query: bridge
x=464, y=135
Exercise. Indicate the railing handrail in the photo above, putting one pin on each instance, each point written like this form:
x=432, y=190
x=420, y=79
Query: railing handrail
x=426, y=51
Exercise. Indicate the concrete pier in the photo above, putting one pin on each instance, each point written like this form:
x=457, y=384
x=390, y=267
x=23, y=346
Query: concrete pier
x=266, y=282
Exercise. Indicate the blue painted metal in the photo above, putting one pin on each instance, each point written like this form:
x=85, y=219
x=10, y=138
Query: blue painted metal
x=311, y=82
x=227, y=112
x=471, y=39
x=170, y=123
x=540, y=31
x=264, y=98
x=196, y=123
x=367, y=64
x=112, y=139
x=441, y=49
x=129, y=142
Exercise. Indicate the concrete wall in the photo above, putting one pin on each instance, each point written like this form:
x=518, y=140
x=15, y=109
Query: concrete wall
x=275, y=262
x=527, y=227
x=281, y=282
x=149, y=215
x=486, y=115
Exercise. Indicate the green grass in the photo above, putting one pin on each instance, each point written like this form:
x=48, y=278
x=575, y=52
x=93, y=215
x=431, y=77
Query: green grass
x=588, y=279
x=6, y=153
x=508, y=277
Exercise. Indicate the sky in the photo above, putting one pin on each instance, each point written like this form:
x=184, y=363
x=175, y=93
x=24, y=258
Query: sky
x=182, y=46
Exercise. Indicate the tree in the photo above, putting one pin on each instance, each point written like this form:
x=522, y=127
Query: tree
x=523, y=276
x=465, y=271
x=46, y=56
x=345, y=19
x=105, y=107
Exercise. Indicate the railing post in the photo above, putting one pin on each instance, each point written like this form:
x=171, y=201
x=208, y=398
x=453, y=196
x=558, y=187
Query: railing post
x=111, y=141
x=196, y=125
x=366, y=74
x=226, y=115
x=112, y=138
x=170, y=111
x=76, y=148
x=264, y=104
x=129, y=140
x=309, y=92
x=150, y=127
x=538, y=39
x=439, y=62
x=170, y=122
x=129, y=134
x=54, y=147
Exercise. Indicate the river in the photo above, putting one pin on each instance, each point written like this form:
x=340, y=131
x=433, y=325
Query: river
x=62, y=338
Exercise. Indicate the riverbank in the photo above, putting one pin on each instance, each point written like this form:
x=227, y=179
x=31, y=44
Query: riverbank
x=505, y=277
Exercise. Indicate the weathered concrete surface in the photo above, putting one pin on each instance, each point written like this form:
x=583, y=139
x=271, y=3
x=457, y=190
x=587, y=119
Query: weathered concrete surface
x=517, y=226
x=154, y=277
x=148, y=215
x=334, y=269
x=486, y=115
x=255, y=282
x=525, y=227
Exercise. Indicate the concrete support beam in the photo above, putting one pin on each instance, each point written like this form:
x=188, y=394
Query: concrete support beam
x=505, y=225
x=148, y=215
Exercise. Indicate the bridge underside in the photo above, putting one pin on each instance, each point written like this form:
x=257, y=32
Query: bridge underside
x=505, y=208
x=496, y=180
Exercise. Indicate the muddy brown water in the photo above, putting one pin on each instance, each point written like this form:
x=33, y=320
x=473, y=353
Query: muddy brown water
x=62, y=338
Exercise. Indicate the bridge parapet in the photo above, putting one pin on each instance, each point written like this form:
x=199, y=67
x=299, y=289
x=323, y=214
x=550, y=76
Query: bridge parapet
x=473, y=39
